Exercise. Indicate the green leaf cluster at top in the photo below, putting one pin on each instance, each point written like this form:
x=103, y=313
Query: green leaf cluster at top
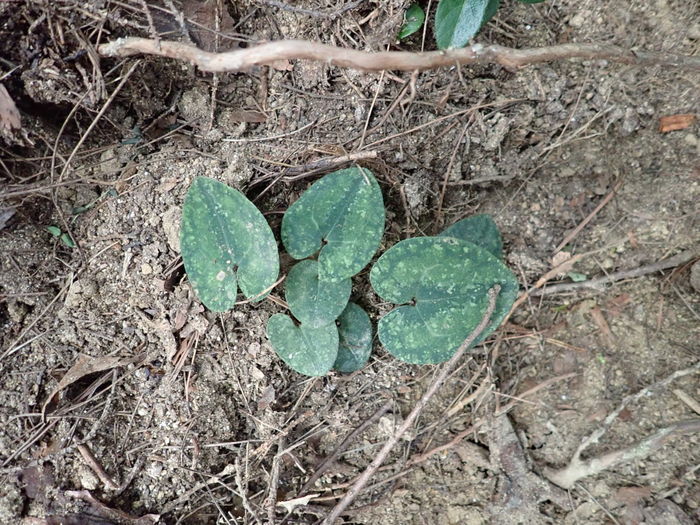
x=456, y=21
x=438, y=284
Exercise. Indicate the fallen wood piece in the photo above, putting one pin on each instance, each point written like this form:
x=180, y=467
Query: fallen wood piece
x=676, y=122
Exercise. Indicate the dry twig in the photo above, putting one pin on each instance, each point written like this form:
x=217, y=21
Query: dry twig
x=589, y=217
x=600, y=282
x=577, y=469
x=267, y=53
x=348, y=439
x=415, y=412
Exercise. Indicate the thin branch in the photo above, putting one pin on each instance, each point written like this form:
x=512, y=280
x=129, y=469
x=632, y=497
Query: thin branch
x=577, y=469
x=600, y=282
x=267, y=53
x=330, y=15
x=352, y=435
x=417, y=409
x=589, y=217
x=326, y=163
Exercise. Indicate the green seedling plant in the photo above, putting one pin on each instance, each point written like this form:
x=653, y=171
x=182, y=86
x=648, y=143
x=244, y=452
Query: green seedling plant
x=438, y=284
x=412, y=22
x=458, y=21
x=61, y=235
x=339, y=220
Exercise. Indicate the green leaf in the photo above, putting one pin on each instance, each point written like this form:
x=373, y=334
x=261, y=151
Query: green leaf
x=413, y=21
x=355, y=331
x=448, y=280
x=341, y=214
x=457, y=21
x=225, y=243
x=309, y=351
x=54, y=230
x=480, y=230
x=577, y=277
x=315, y=303
x=65, y=239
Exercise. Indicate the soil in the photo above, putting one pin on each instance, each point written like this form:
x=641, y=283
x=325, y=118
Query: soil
x=188, y=415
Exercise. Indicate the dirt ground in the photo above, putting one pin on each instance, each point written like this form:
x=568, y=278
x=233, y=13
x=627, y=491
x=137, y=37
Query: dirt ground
x=173, y=414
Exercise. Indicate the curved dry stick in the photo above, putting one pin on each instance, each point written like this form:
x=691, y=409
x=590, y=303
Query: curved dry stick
x=267, y=53
x=415, y=412
x=578, y=469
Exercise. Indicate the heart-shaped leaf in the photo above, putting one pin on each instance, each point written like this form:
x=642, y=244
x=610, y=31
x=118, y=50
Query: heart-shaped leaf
x=225, y=243
x=309, y=351
x=447, y=280
x=480, y=230
x=413, y=21
x=457, y=21
x=355, y=331
x=314, y=302
x=341, y=214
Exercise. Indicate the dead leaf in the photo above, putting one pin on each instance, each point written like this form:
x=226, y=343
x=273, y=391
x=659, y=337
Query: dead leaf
x=86, y=365
x=603, y=326
x=292, y=504
x=9, y=115
x=282, y=65
x=202, y=16
x=245, y=115
x=676, y=122
x=267, y=398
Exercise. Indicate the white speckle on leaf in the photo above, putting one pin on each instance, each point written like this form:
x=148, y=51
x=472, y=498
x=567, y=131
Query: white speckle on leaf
x=221, y=275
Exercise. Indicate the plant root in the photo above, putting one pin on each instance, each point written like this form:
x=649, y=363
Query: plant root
x=267, y=53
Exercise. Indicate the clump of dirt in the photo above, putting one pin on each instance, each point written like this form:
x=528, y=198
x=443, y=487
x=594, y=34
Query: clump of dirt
x=199, y=422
